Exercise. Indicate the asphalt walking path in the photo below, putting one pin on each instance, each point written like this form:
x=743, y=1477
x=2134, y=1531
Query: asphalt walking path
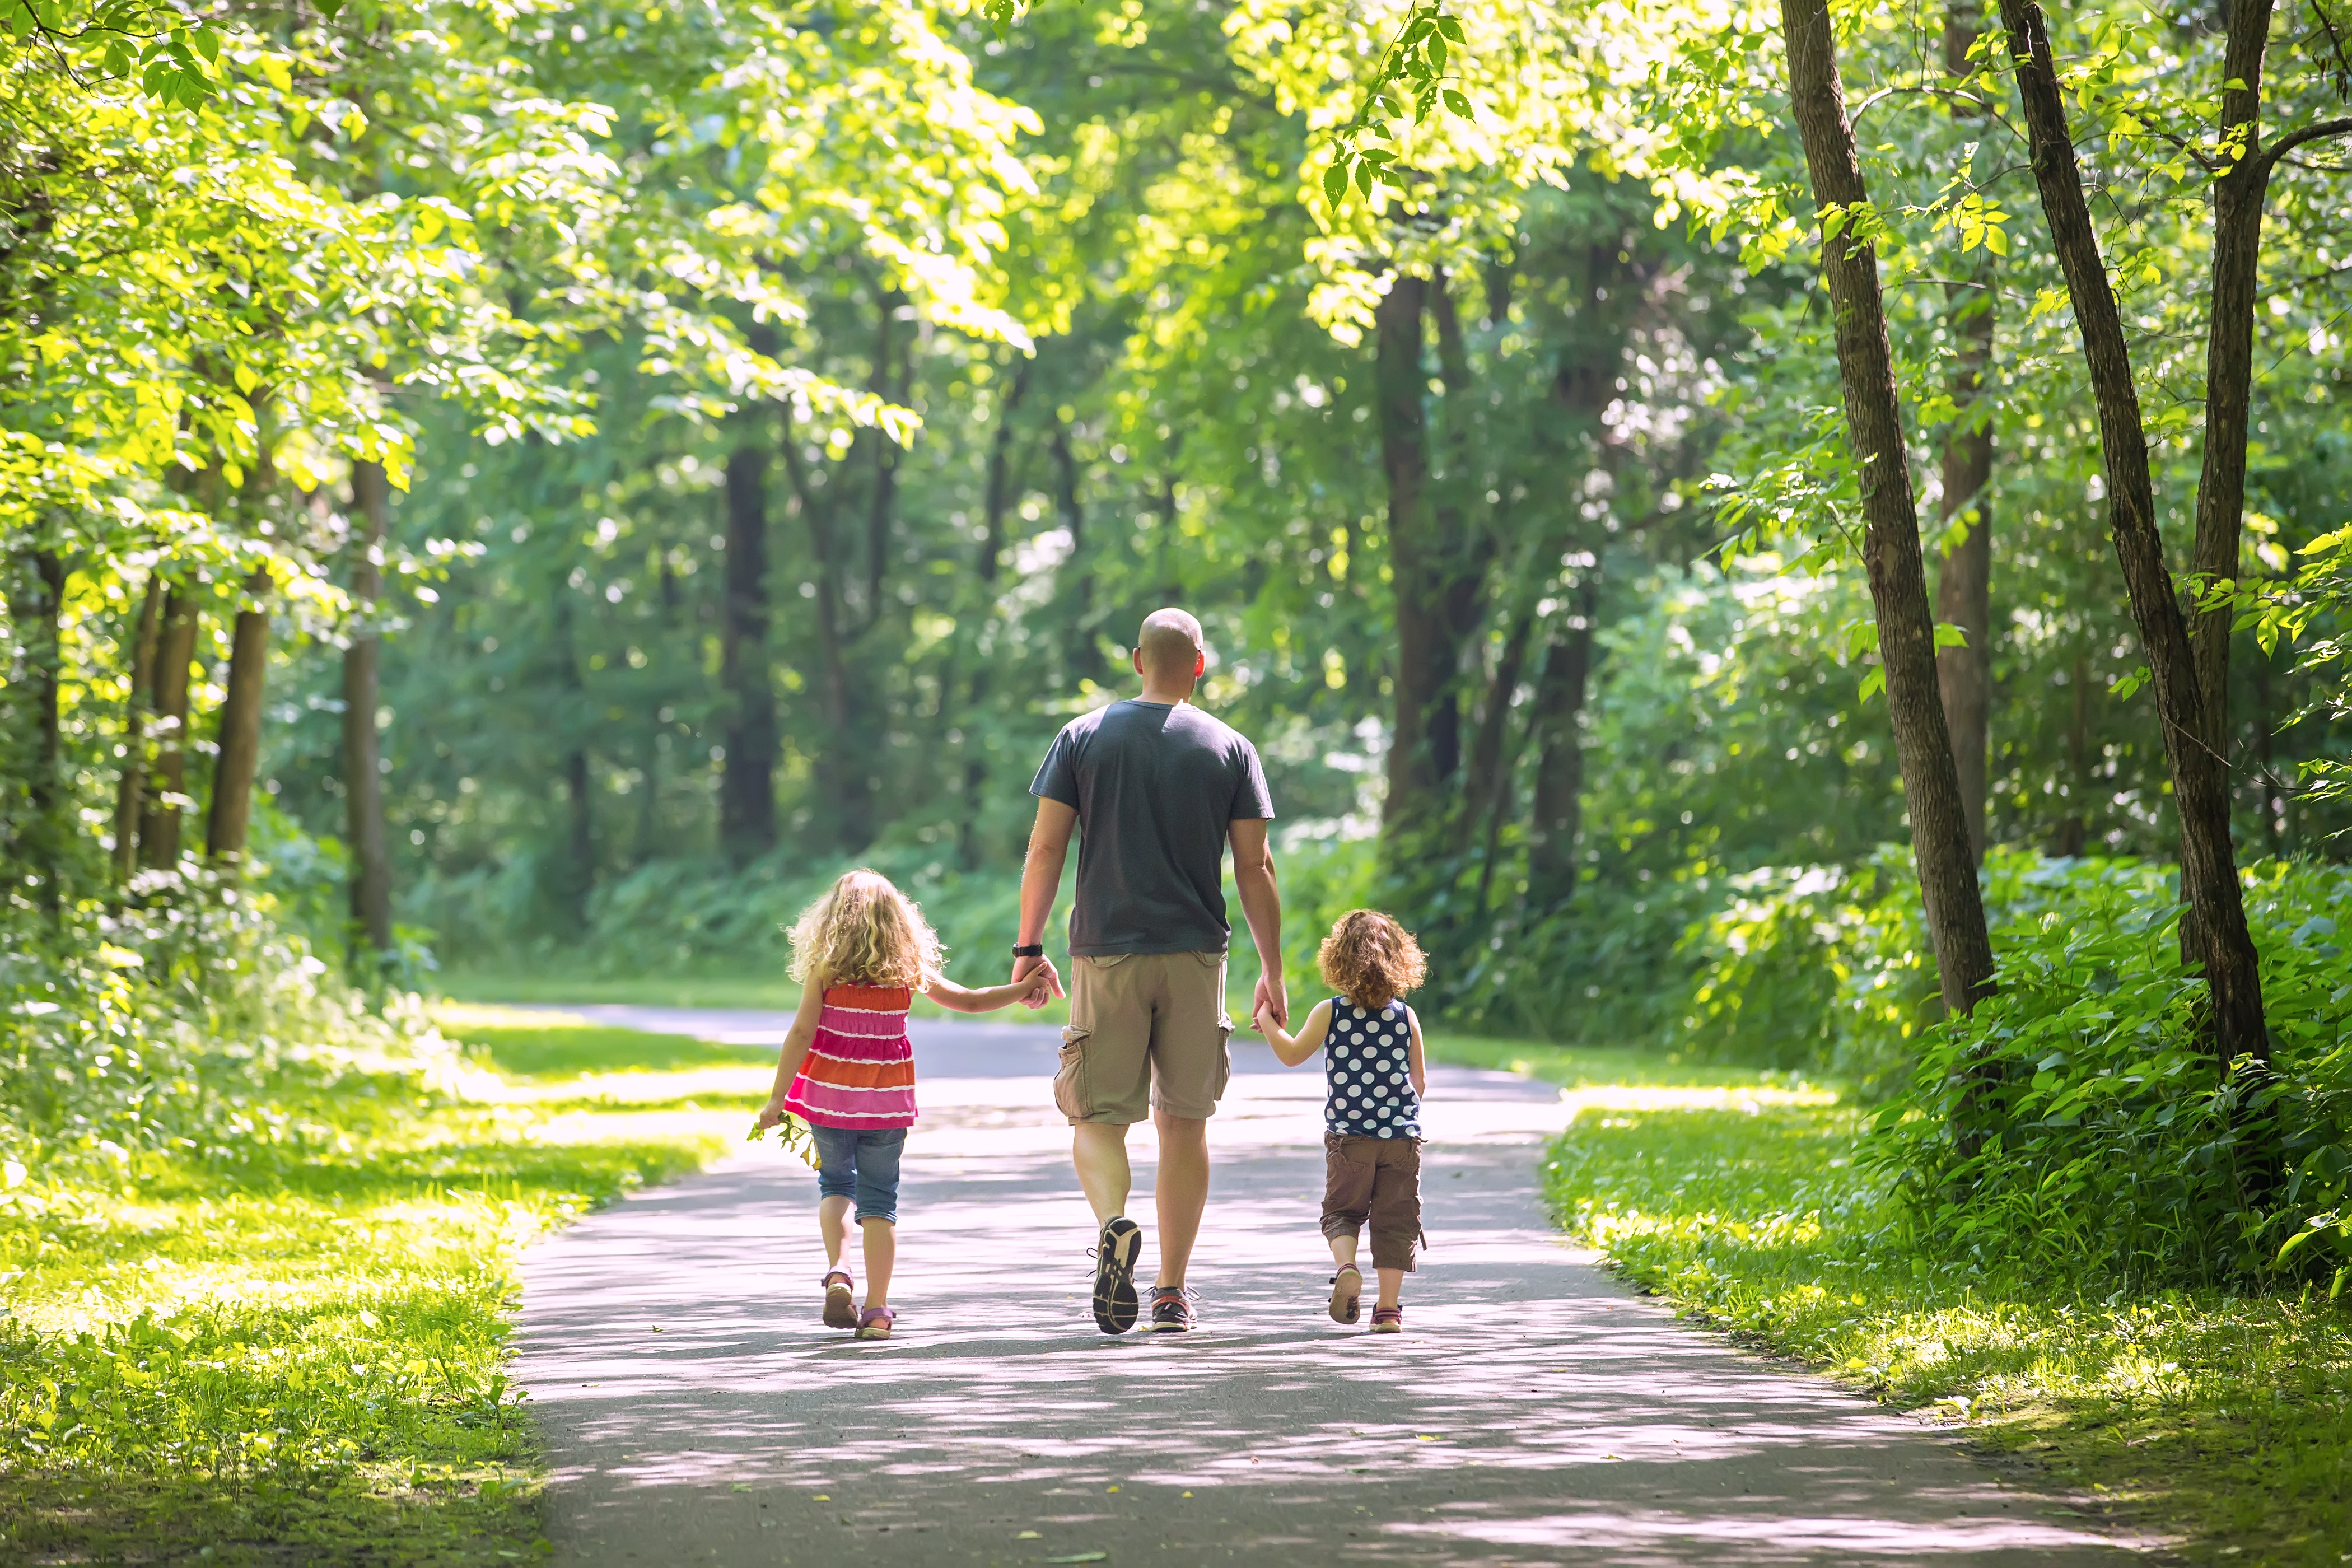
x=696, y=1410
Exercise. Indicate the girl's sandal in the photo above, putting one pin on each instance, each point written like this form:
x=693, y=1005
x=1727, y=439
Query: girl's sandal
x=840, y=1305
x=1345, y=1299
x=1388, y=1320
x=874, y=1324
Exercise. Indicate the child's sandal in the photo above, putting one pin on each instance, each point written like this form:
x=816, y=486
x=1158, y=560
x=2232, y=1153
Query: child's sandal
x=874, y=1324
x=1388, y=1320
x=1346, y=1299
x=840, y=1303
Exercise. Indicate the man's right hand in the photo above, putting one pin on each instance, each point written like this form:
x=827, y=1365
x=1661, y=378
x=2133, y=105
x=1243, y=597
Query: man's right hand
x=1022, y=968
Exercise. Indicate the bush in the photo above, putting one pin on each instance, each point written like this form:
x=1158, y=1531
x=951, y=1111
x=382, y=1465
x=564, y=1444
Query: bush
x=2074, y=1125
x=184, y=1021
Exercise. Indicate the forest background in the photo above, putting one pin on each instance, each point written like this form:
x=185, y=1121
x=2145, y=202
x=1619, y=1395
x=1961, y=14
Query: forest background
x=511, y=500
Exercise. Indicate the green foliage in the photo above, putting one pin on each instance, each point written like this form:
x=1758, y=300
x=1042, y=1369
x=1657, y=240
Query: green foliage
x=2072, y=1125
x=2223, y=1417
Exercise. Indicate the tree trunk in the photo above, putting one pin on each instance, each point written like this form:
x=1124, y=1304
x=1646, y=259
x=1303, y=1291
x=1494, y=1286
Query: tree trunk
x=1558, y=722
x=2199, y=778
x=130, y=788
x=2230, y=354
x=364, y=827
x=1459, y=552
x=240, y=727
x=159, y=823
x=1488, y=779
x=1424, y=675
x=1898, y=583
x=747, y=787
x=996, y=501
x=1079, y=657
x=579, y=834
x=37, y=606
x=2075, y=833
x=1964, y=586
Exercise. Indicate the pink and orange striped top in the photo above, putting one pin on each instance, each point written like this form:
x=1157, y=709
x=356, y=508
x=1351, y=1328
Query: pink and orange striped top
x=860, y=1069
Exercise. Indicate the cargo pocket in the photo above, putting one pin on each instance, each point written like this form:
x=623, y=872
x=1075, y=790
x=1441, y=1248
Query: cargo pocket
x=1225, y=1055
x=1071, y=1095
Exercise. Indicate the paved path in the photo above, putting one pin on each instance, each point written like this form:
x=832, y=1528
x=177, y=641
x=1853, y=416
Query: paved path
x=1534, y=1412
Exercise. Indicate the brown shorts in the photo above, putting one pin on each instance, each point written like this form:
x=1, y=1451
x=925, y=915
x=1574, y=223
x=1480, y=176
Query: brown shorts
x=1146, y=1029
x=1376, y=1179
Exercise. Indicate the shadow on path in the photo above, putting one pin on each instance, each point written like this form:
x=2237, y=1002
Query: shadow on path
x=1532, y=1411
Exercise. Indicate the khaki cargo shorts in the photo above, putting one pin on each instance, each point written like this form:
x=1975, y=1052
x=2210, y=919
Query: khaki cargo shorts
x=1146, y=1029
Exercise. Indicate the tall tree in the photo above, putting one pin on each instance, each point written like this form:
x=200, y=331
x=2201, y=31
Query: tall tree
x=364, y=824
x=1424, y=671
x=37, y=602
x=747, y=785
x=159, y=822
x=2209, y=872
x=1891, y=552
x=239, y=741
x=1964, y=586
x=131, y=785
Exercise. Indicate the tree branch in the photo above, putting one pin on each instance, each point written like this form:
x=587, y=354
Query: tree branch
x=2317, y=130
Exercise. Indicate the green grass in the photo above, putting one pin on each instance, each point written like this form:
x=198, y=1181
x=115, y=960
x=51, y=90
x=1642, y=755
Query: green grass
x=300, y=1356
x=2226, y=1420
x=1577, y=1066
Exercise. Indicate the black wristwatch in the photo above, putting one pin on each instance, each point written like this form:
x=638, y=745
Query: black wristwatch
x=1028, y=950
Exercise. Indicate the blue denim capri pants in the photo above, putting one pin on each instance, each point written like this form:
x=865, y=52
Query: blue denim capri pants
x=861, y=1163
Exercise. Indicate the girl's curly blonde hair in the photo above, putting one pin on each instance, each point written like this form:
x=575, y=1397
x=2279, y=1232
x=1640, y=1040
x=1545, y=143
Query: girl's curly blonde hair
x=1371, y=960
x=863, y=931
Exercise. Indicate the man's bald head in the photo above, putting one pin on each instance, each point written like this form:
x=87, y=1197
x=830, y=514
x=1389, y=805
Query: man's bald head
x=1170, y=647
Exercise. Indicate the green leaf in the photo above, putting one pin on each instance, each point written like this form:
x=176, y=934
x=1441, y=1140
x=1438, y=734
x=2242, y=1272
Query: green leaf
x=1456, y=101
x=1436, y=54
x=1364, y=177
x=1448, y=27
x=1335, y=181
x=1873, y=683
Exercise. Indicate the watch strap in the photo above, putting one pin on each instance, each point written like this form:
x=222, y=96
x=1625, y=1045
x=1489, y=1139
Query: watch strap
x=1029, y=950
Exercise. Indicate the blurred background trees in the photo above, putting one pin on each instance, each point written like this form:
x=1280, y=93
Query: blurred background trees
x=551, y=489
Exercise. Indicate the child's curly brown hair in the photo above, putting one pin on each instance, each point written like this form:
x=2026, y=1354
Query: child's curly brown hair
x=1371, y=960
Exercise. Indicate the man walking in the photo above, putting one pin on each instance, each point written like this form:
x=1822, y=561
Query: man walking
x=1156, y=788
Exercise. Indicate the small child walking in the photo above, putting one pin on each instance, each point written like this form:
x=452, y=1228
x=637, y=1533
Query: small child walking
x=847, y=1069
x=1375, y=1079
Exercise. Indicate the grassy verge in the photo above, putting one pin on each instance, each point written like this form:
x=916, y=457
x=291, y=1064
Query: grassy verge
x=2228, y=1421
x=298, y=1356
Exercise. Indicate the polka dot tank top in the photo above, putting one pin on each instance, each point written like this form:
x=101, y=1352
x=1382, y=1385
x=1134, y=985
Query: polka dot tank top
x=1367, y=1058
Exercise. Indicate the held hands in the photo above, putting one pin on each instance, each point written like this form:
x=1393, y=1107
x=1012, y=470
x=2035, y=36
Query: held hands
x=1272, y=998
x=1049, y=980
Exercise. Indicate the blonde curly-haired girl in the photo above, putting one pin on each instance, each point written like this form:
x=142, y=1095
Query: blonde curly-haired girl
x=848, y=1069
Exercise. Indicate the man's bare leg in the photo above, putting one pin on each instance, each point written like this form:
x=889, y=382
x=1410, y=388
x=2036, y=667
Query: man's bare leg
x=1099, y=1150
x=1182, y=1190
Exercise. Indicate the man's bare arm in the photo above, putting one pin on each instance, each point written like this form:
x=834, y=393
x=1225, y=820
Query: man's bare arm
x=1262, y=907
x=1041, y=881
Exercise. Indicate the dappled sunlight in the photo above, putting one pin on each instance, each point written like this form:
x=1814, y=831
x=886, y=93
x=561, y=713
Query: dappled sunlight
x=1531, y=1411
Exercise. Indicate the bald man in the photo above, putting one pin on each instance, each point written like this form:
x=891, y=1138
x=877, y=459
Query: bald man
x=1156, y=789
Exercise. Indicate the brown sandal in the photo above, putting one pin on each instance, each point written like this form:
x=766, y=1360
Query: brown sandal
x=840, y=1300
x=1345, y=1299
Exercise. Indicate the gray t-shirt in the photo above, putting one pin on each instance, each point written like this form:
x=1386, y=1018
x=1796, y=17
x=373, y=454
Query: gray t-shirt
x=1154, y=788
